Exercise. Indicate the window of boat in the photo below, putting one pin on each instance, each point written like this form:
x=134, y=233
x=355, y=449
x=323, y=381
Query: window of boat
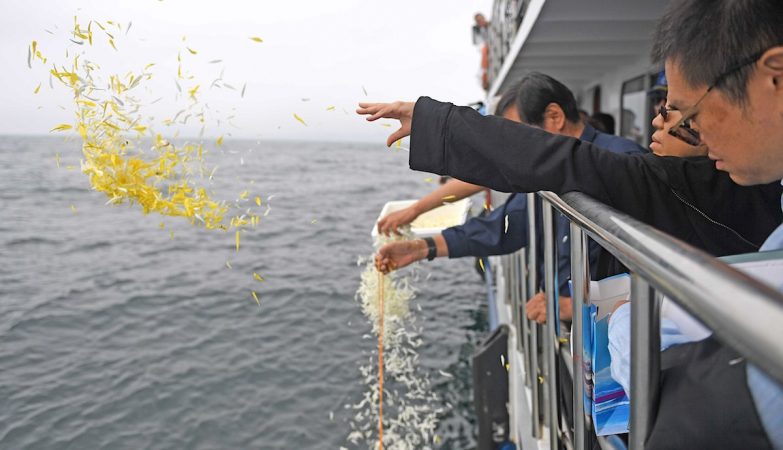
x=633, y=110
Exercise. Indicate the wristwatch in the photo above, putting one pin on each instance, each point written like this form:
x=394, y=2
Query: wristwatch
x=432, y=249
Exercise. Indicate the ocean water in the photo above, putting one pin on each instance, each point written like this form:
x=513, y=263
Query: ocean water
x=113, y=335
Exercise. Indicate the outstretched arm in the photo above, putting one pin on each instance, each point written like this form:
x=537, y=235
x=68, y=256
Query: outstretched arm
x=452, y=191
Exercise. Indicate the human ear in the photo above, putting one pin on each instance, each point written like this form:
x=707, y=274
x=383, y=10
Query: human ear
x=554, y=117
x=771, y=64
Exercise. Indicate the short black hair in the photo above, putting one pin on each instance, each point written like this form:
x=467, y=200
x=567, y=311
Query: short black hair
x=603, y=122
x=508, y=99
x=537, y=91
x=707, y=38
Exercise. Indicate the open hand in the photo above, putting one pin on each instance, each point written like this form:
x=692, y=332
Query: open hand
x=391, y=222
x=396, y=255
x=402, y=111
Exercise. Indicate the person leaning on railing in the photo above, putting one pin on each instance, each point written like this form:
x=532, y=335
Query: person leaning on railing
x=544, y=102
x=741, y=124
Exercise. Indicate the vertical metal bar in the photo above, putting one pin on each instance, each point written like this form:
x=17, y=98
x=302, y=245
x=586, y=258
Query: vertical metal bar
x=580, y=278
x=532, y=245
x=521, y=323
x=645, y=359
x=532, y=285
x=514, y=279
x=552, y=335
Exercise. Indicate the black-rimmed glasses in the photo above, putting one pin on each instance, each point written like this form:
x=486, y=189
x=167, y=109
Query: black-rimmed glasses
x=682, y=129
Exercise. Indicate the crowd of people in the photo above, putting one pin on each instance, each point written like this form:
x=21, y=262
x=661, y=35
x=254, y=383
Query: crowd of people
x=712, y=179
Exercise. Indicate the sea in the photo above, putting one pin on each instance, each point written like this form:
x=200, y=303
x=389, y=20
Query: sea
x=120, y=330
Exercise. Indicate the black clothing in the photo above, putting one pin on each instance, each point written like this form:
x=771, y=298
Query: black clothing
x=685, y=197
x=705, y=401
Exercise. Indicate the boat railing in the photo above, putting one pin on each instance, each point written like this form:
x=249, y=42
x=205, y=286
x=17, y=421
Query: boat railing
x=743, y=312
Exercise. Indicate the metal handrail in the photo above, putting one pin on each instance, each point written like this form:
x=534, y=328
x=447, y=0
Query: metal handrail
x=743, y=312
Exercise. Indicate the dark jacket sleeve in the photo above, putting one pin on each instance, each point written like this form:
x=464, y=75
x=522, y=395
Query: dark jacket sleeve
x=484, y=236
x=511, y=157
x=685, y=197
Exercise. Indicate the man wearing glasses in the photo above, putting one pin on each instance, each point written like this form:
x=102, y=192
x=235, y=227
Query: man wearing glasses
x=724, y=62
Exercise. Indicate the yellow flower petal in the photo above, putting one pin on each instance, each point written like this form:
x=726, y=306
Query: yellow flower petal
x=256, y=39
x=61, y=127
x=300, y=119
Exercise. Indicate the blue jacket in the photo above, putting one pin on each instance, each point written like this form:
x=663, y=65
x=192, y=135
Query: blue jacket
x=484, y=236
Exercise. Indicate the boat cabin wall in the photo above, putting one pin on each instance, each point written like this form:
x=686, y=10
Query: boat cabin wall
x=622, y=93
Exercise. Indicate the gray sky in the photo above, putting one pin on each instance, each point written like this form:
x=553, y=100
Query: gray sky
x=322, y=51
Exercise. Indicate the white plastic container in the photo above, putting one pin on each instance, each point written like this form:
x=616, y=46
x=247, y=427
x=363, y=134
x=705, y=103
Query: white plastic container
x=432, y=222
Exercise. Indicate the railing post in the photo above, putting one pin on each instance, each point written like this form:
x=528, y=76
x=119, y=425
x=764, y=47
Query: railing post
x=532, y=286
x=519, y=308
x=580, y=279
x=645, y=360
x=552, y=335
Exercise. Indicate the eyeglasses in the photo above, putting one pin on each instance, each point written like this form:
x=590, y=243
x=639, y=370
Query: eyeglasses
x=682, y=129
x=664, y=111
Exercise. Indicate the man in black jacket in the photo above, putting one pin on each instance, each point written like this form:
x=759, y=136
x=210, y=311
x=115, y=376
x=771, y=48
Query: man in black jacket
x=685, y=197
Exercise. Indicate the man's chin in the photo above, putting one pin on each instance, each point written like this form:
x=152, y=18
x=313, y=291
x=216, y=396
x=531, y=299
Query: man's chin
x=745, y=179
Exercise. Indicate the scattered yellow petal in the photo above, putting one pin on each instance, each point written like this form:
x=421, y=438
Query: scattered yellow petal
x=258, y=200
x=449, y=198
x=61, y=127
x=111, y=42
x=258, y=277
x=399, y=143
x=57, y=159
x=220, y=141
x=192, y=52
x=228, y=264
x=330, y=108
x=193, y=91
x=256, y=39
x=255, y=297
x=73, y=208
x=481, y=264
x=428, y=180
x=300, y=119
x=237, y=240
x=37, y=88
x=387, y=125
x=244, y=195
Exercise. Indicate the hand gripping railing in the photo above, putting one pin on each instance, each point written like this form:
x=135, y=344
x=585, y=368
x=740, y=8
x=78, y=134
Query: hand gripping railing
x=743, y=312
